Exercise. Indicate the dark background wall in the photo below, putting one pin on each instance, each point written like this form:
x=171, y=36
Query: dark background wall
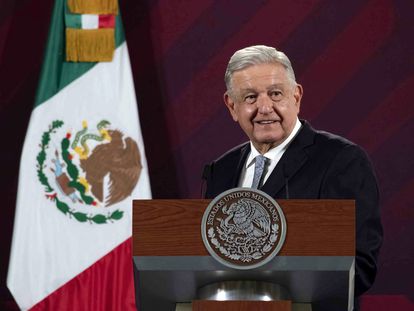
x=355, y=60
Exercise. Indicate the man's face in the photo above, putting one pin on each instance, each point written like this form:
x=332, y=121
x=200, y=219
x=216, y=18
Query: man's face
x=265, y=102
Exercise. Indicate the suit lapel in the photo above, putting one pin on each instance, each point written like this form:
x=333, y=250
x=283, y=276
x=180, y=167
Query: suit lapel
x=292, y=161
x=244, y=152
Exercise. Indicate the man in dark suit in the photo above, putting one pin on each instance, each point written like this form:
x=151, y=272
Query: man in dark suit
x=300, y=162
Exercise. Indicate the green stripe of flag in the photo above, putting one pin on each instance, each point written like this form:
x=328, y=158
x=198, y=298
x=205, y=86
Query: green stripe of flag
x=73, y=20
x=56, y=72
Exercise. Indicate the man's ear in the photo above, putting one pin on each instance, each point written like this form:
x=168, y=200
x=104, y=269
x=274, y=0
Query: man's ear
x=298, y=93
x=229, y=102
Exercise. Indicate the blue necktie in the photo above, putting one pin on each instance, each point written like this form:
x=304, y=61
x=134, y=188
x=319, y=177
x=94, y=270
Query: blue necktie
x=258, y=170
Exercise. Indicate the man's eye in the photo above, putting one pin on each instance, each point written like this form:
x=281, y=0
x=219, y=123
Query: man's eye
x=250, y=99
x=275, y=95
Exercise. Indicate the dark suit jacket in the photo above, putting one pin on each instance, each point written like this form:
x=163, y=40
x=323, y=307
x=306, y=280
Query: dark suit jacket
x=317, y=165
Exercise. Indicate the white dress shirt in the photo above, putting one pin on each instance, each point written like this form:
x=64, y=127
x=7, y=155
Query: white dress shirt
x=273, y=156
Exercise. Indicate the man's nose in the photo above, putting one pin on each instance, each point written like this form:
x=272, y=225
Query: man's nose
x=264, y=104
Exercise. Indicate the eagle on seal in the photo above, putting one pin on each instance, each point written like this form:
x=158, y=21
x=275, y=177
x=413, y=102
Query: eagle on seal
x=248, y=217
x=120, y=159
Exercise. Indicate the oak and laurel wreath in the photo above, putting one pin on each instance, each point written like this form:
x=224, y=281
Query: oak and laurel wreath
x=73, y=173
x=258, y=255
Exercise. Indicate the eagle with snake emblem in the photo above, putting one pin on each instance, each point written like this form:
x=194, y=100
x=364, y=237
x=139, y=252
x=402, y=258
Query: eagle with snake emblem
x=246, y=217
x=120, y=160
x=116, y=160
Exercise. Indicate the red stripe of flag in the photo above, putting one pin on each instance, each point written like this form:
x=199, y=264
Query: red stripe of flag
x=106, y=285
x=107, y=21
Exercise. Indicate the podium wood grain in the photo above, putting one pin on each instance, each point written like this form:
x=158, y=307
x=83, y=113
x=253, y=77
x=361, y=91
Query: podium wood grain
x=173, y=227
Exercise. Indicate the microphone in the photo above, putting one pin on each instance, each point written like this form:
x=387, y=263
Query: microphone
x=204, y=177
x=286, y=176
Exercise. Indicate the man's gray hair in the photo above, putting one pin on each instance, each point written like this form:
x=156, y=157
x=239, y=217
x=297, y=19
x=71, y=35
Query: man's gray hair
x=254, y=55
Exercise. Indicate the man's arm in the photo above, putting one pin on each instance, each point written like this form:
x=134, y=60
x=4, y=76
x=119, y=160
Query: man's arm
x=351, y=176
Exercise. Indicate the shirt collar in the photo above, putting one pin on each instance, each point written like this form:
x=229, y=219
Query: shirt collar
x=272, y=153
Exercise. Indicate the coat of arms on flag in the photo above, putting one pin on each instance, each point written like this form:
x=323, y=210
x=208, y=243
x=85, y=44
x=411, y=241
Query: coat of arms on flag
x=88, y=170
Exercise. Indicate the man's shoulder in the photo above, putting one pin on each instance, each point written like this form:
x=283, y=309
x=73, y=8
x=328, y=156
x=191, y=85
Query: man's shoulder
x=334, y=140
x=327, y=139
x=327, y=142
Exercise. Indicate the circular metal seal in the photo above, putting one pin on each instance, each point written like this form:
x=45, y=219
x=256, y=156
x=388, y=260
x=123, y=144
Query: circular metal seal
x=243, y=228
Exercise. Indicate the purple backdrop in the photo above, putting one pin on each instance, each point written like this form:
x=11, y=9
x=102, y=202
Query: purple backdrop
x=355, y=60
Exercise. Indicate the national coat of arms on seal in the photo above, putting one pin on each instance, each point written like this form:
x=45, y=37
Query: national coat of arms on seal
x=88, y=171
x=243, y=228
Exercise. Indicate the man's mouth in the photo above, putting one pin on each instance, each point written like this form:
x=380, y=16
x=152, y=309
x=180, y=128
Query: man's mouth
x=263, y=122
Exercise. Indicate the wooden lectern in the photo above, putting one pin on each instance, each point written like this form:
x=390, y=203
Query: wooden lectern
x=315, y=264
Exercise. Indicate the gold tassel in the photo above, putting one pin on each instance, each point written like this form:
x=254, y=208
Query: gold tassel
x=93, y=6
x=90, y=45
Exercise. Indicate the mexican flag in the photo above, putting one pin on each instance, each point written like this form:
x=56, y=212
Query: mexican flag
x=83, y=162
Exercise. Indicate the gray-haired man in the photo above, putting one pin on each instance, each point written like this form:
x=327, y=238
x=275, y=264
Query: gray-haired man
x=301, y=163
